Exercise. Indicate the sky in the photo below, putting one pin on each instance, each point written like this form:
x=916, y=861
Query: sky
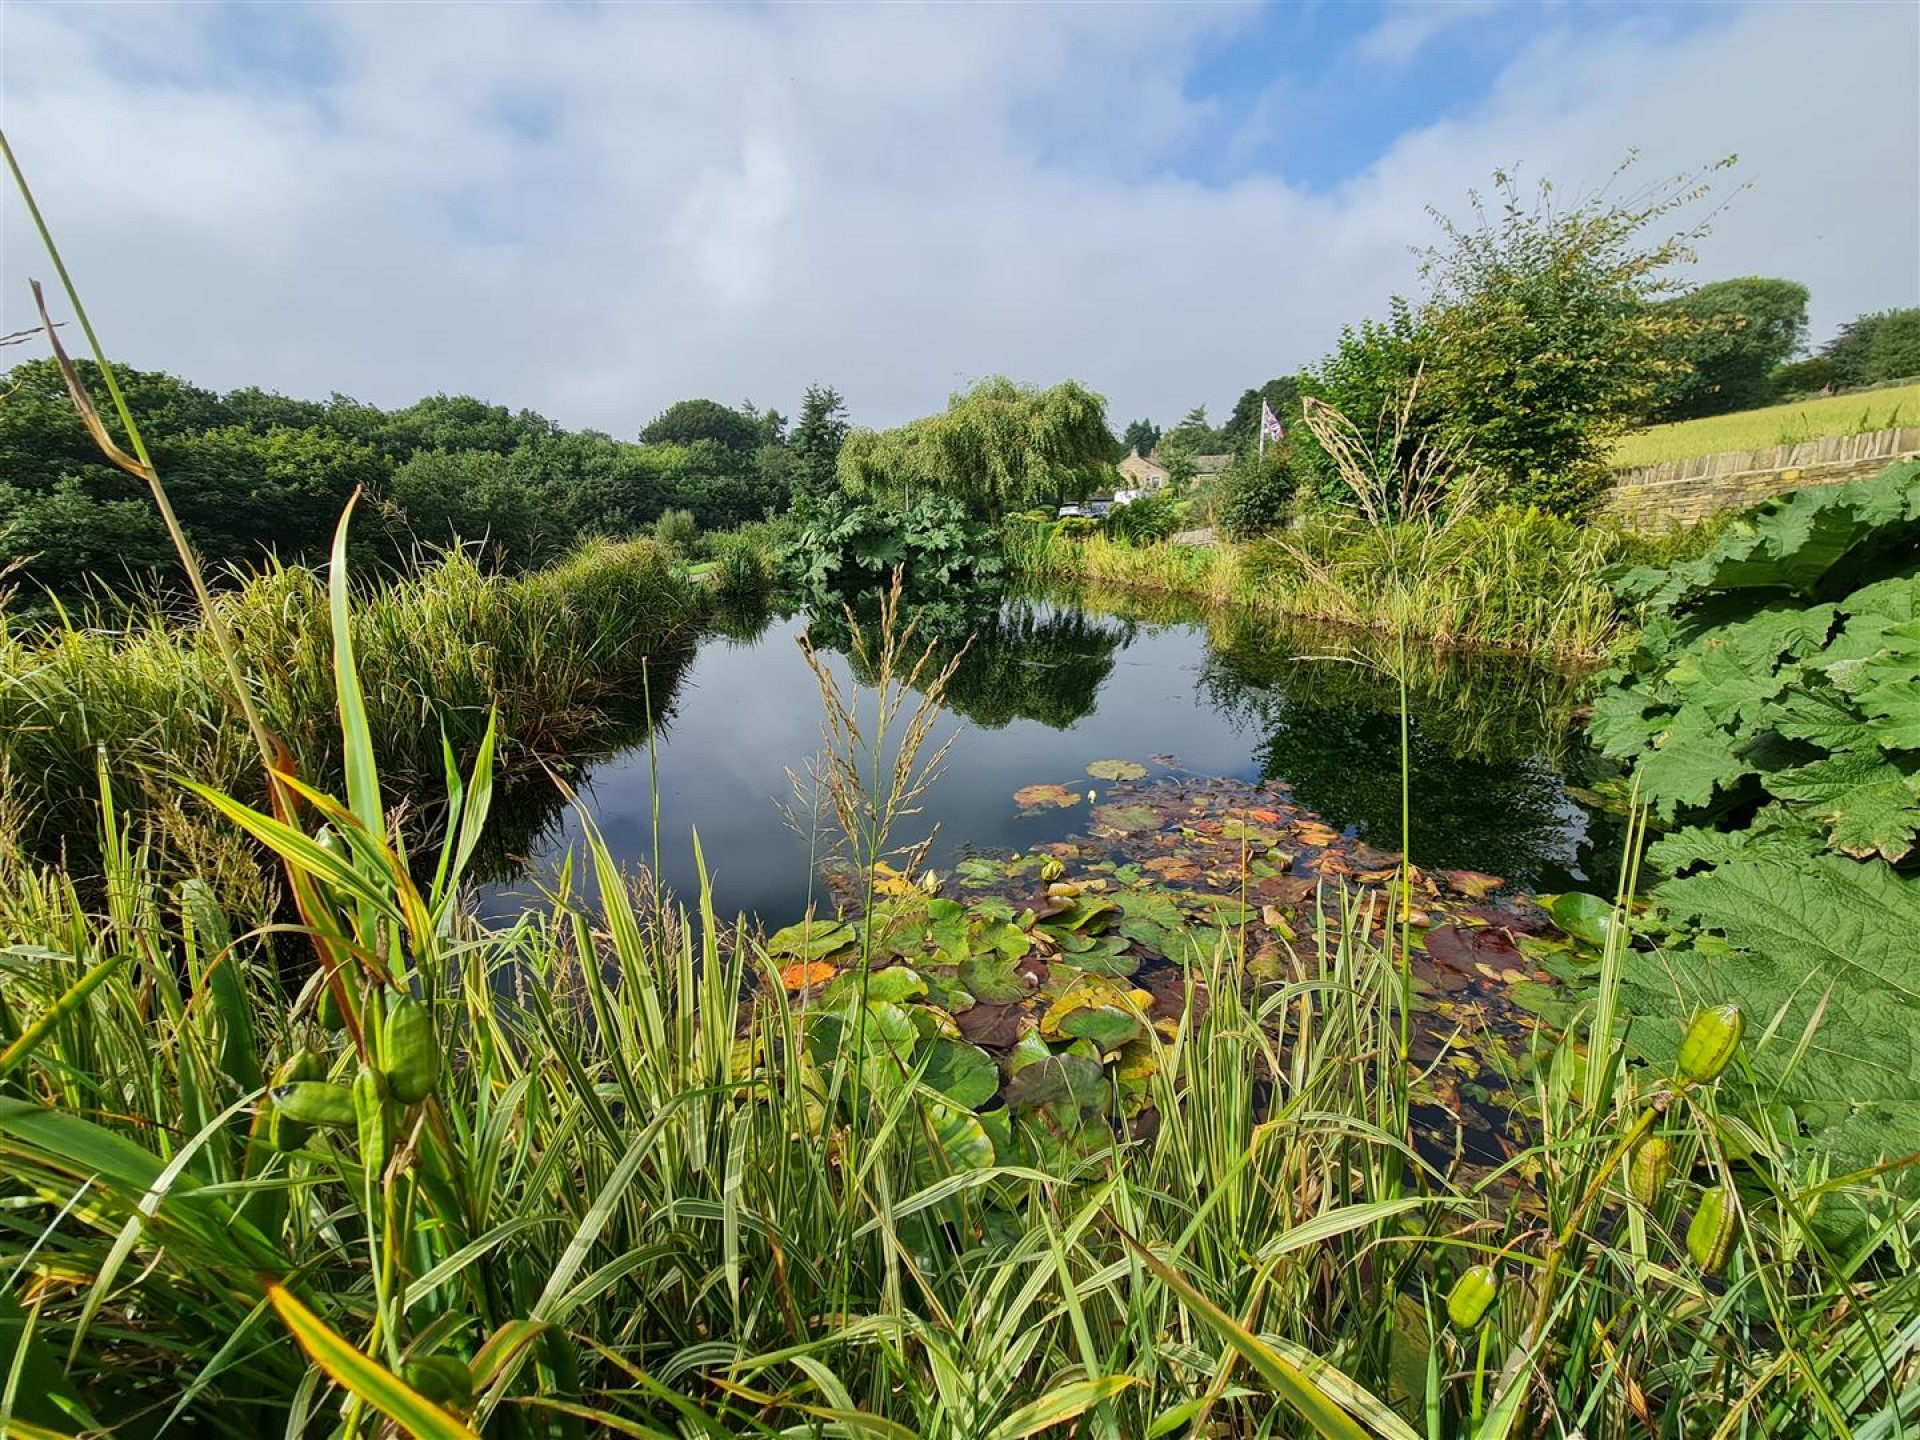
x=592, y=210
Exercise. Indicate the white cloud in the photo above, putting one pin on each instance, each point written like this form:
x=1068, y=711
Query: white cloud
x=593, y=211
x=1409, y=26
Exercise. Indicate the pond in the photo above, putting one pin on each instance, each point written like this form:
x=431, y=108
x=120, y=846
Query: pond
x=1050, y=685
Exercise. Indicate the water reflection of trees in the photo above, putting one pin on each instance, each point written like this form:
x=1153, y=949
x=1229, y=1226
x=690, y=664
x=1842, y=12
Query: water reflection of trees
x=528, y=810
x=1488, y=739
x=1026, y=661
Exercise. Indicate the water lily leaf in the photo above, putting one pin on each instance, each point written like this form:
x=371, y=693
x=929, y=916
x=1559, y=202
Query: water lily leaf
x=1095, y=1009
x=1472, y=883
x=1585, y=917
x=964, y=1073
x=962, y=1140
x=897, y=984
x=1037, y=796
x=1172, y=867
x=1130, y=819
x=993, y=978
x=811, y=939
x=1080, y=915
x=1116, y=770
x=803, y=974
x=1028, y=1049
x=1072, y=1083
x=1108, y=1029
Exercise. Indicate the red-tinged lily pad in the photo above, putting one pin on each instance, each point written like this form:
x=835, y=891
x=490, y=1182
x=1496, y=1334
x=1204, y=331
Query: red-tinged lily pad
x=1036, y=797
x=1466, y=948
x=995, y=1026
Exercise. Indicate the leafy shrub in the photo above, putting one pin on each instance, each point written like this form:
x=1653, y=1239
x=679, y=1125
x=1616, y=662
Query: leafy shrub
x=1771, y=712
x=847, y=550
x=1256, y=496
x=1151, y=517
x=675, y=531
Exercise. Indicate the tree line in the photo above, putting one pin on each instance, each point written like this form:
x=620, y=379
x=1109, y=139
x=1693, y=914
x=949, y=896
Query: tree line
x=252, y=472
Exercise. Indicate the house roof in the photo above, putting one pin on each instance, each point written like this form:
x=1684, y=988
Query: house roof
x=1211, y=464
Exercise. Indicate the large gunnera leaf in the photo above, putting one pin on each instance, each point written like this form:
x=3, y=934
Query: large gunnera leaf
x=1825, y=937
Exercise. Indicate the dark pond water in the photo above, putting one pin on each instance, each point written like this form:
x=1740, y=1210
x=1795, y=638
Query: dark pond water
x=1046, y=688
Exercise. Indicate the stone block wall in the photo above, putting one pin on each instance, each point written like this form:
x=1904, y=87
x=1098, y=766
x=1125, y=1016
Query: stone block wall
x=1680, y=492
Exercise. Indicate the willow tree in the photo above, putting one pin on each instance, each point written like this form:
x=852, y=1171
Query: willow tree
x=997, y=447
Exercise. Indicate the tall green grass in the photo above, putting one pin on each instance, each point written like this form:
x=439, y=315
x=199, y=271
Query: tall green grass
x=550, y=656
x=1512, y=580
x=634, y=1200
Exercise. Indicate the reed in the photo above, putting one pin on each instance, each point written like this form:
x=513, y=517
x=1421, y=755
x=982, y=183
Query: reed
x=1506, y=580
x=551, y=656
x=635, y=1200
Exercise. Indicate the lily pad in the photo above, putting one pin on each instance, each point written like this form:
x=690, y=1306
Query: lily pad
x=897, y=984
x=962, y=1140
x=963, y=1073
x=1072, y=1082
x=1116, y=770
x=1034, y=797
x=1130, y=819
x=1095, y=1009
x=803, y=974
x=993, y=978
x=1585, y=917
x=810, y=939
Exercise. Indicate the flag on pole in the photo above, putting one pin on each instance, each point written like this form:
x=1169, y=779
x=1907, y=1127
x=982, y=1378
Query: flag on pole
x=1270, y=426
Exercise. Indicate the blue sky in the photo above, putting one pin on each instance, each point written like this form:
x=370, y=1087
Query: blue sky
x=594, y=209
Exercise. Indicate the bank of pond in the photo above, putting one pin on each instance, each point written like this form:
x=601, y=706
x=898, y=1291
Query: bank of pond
x=1149, y=1018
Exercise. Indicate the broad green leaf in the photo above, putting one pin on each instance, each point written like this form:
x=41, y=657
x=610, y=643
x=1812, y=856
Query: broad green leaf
x=1870, y=805
x=964, y=1073
x=1585, y=917
x=1826, y=937
x=1116, y=770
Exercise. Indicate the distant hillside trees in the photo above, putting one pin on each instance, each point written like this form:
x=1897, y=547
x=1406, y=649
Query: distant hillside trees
x=252, y=472
x=1873, y=349
x=688, y=422
x=1737, y=335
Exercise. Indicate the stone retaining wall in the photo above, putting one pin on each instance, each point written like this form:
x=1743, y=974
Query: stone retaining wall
x=1679, y=492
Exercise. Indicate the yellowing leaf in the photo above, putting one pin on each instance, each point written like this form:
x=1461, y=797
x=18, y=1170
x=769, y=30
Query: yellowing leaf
x=805, y=973
x=363, y=1376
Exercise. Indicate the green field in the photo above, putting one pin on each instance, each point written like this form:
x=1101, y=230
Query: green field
x=1776, y=425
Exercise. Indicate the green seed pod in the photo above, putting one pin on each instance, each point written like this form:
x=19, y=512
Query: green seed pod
x=1652, y=1161
x=1710, y=1235
x=1472, y=1296
x=371, y=1119
x=283, y=1131
x=315, y=1102
x=409, y=1051
x=1712, y=1037
x=443, y=1379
